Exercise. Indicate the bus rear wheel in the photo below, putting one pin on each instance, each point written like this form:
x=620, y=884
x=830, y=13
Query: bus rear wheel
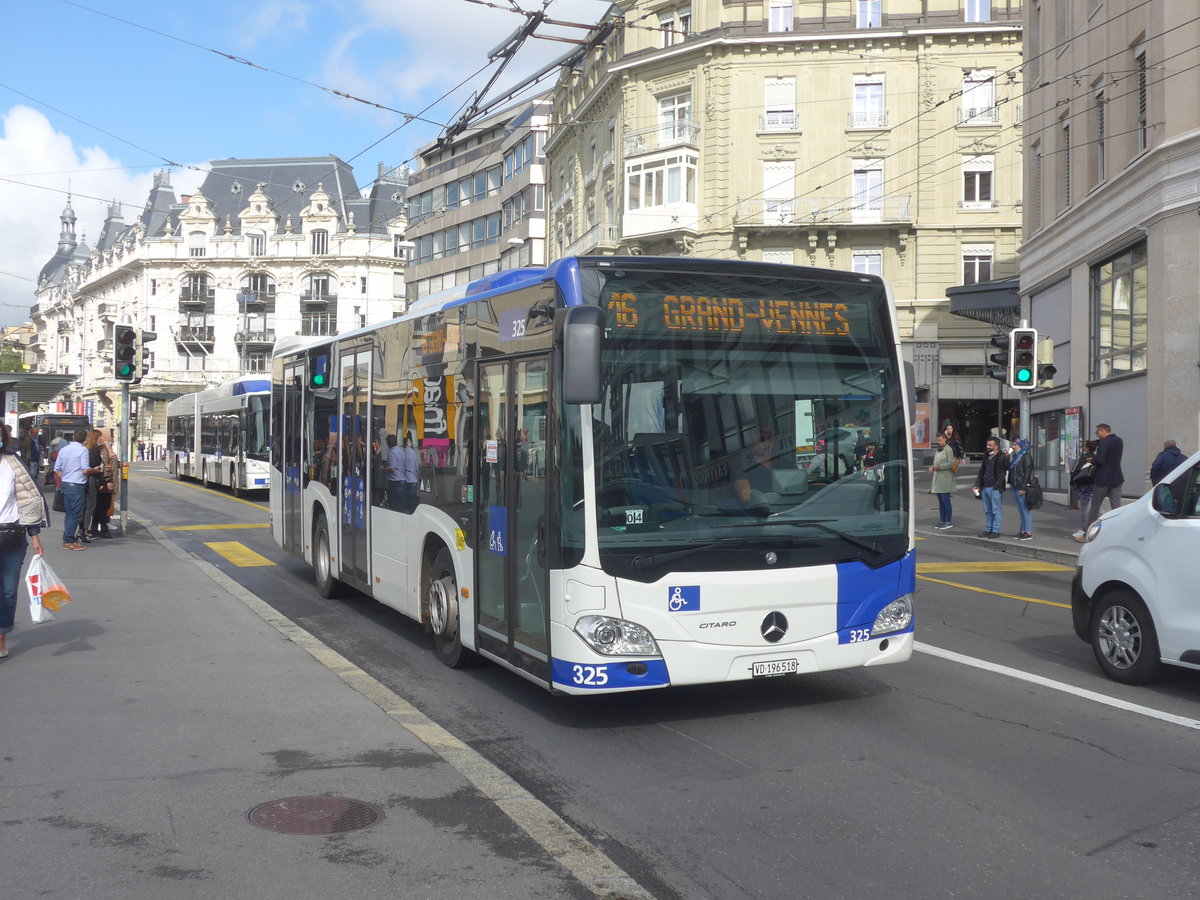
x=442, y=596
x=327, y=585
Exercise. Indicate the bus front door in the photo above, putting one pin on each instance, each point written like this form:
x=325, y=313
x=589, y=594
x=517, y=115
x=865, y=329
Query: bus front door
x=291, y=447
x=512, y=612
x=356, y=466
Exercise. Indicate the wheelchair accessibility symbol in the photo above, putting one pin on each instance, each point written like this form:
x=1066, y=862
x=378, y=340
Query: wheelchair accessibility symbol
x=683, y=599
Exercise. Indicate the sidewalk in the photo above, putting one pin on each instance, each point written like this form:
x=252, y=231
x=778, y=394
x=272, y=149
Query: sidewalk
x=1053, y=524
x=139, y=729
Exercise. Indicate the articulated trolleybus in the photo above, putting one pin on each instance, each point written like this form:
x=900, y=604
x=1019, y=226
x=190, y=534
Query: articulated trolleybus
x=609, y=492
x=220, y=435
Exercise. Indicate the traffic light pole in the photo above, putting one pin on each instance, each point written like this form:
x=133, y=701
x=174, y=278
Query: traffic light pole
x=123, y=454
x=1023, y=397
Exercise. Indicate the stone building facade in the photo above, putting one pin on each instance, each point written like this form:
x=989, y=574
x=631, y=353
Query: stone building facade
x=265, y=248
x=1111, y=263
x=876, y=137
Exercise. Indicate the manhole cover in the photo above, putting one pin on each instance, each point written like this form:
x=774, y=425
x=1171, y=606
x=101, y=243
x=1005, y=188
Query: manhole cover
x=314, y=815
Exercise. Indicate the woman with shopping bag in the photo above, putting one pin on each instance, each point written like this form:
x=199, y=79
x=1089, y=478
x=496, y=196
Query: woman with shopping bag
x=22, y=513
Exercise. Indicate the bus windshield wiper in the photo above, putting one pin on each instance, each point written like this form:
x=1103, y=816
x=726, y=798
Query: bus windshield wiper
x=869, y=546
x=655, y=559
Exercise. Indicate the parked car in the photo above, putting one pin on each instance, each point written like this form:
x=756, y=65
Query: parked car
x=1134, y=596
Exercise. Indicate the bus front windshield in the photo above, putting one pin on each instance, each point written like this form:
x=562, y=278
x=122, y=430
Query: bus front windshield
x=745, y=415
x=255, y=433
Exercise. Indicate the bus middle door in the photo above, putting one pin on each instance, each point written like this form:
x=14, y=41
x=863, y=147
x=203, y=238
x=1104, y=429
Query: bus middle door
x=357, y=459
x=512, y=586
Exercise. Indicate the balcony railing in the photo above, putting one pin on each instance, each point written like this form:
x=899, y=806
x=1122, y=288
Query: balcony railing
x=202, y=295
x=589, y=177
x=196, y=334
x=316, y=297
x=318, y=324
x=601, y=236
x=777, y=121
x=669, y=135
x=606, y=160
x=824, y=211
x=985, y=115
x=265, y=336
x=868, y=119
x=248, y=296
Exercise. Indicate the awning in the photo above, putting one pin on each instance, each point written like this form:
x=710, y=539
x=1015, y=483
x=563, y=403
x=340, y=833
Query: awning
x=35, y=387
x=997, y=303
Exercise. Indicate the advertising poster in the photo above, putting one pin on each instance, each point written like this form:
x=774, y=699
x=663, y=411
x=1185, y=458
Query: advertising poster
x=921, y=430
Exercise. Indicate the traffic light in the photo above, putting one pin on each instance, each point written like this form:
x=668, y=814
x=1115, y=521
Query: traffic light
x=1000, y=370
x=1023, y=359
x=318, y=371
x=1046, y=369
x=125, y=361
x=142, y=355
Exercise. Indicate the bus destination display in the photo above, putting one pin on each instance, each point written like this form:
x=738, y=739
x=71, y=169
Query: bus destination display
x=750, y=317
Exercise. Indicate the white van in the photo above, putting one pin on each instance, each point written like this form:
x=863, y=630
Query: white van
x=1136, y=594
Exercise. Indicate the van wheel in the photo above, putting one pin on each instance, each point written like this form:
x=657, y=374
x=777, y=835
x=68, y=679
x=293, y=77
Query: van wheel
x=1124, y=640
x=442, y=596
x=327, y=584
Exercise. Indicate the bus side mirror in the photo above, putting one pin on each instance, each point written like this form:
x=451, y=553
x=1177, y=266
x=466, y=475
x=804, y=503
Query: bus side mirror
x=910, y=383
x=582, y=336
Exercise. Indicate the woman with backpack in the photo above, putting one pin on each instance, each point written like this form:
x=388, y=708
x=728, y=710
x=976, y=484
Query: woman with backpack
x=1082, y=474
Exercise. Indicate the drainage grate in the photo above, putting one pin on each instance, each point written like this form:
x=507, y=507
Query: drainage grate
x=314, y=815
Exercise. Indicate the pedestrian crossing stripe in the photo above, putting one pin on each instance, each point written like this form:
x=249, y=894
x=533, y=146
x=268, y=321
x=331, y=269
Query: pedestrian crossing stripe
x=238, y=554
x=958, y=568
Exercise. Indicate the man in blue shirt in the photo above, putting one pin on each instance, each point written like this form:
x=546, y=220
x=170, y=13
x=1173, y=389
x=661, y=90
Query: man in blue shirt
x=71, y=473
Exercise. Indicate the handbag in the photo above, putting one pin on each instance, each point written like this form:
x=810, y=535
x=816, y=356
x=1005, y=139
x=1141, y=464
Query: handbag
x=12, y=536
x=1084, y=475
x=60, y=503
x=1033, y=494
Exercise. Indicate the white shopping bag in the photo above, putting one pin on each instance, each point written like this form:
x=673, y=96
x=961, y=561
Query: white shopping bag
x=34, y=579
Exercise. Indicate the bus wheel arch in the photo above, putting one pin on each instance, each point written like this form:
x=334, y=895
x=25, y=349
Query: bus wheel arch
x=439, y=599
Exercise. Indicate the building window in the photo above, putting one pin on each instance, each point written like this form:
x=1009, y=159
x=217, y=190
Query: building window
x=257, y=244
x=979, y=98
x=868, y=111
x=780, y=15
x=399, y=247
x=675, y=117
x=362, y=284
x=1143, y=104
x=867, y=187
x=868, y=262
x=675, y=26
x=196, y=243
x=977, y=264
x=153, y=287
x=1119, y=294
x=320, y=243
x=977, y=182
x=779, y=192
x=659, y=182
x=868, y=14
x=978, y=11
x=779, y=107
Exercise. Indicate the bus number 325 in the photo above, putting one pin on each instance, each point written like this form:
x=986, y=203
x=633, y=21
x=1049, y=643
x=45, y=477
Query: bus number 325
x=595, y=676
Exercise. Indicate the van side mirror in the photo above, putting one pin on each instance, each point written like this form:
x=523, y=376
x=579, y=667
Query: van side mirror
x=1164, y=500
x=582, y=332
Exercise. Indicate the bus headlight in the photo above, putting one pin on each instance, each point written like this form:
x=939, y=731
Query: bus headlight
x=616, y=637
x=896, y=616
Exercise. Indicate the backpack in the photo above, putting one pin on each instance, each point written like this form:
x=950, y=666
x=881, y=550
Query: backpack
x=1084, y=474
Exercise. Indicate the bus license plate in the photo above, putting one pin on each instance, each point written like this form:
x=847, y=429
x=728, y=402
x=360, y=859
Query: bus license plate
x=775, y=667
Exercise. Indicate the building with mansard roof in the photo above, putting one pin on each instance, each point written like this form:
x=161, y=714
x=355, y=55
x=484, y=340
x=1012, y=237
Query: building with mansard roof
x=264, y=248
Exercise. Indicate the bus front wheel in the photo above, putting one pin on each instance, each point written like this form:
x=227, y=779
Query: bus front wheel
x=442, y=596
x=327, y=585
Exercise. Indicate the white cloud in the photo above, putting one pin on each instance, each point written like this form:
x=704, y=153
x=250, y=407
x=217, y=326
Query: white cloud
x=40, y=164
x=268, y=23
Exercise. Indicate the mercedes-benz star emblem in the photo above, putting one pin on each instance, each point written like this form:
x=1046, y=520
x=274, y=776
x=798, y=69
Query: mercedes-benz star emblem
x=774, y=627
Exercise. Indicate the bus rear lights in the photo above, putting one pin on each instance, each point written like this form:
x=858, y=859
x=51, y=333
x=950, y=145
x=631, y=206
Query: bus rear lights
x=616, y=637
x=896, y=616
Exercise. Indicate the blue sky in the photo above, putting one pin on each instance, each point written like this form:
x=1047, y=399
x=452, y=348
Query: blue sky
x=96, y=105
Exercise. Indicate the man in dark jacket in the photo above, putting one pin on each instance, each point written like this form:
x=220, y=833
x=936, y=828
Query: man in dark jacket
x=1166, y=462
x=1109, y=479
x=989, y=487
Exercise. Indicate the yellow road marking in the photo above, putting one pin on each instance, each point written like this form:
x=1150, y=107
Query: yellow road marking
x=200, y=487
x=216, y=527
x=967, y=587
x=238, y=554
x=1033, y=565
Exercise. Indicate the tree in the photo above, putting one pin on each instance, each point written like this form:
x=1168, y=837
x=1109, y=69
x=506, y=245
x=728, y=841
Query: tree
x=11, y=360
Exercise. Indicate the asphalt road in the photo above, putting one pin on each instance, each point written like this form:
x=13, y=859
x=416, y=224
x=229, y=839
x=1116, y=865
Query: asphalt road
x=943, y=777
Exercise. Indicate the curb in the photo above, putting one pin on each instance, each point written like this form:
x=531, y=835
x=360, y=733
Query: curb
x=1010, y=546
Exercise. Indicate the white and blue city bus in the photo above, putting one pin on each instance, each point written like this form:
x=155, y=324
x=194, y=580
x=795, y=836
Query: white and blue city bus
x=609, y=493
x=220, y=436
